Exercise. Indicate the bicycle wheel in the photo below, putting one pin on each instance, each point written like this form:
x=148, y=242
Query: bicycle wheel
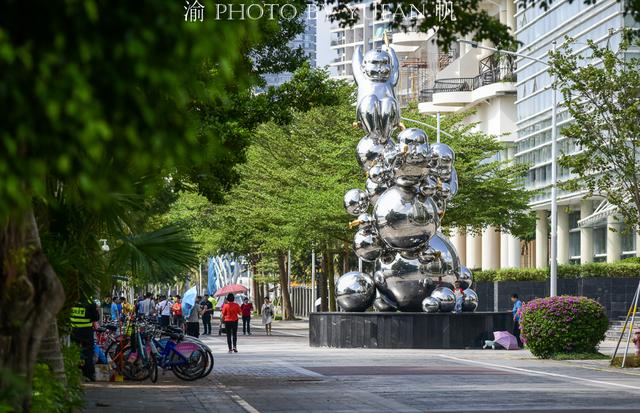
x=153, y=369
x=131, y=365
x=196, y=365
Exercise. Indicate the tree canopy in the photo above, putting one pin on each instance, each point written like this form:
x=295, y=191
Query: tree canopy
x=601, y=92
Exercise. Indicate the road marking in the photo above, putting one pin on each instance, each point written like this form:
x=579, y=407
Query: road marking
x=239, y=400
x=540, y=373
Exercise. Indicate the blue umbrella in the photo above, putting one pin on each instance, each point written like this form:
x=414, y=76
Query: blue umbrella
x=212, y=277
x=189, y=301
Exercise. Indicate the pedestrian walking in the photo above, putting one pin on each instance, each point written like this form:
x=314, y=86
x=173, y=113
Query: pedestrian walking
x=164, y=311
x=83, y=315
x=207, y=311
x=114, y=310
x=176, y=312
x=459, y=294
x=247, y=309
x=230, y=313
x=267, y=315
x=193, y=321
x=517, y=308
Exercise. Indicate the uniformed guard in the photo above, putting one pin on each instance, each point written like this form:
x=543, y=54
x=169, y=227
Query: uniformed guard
x=83, y=315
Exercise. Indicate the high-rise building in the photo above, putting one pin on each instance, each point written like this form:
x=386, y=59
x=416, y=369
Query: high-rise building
x=305, y=40
x=583, y=236
x=482, y=82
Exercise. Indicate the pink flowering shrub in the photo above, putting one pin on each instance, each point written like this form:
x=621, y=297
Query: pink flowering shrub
x=564, y=324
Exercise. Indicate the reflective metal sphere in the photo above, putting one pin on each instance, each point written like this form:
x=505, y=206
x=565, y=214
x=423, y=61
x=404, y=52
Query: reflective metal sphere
x=403, y=282
x=356, y=201
x=446, y=262
x=430, y=305
x=411, y=165
x=465, y=277
x=446, y=297
x=470, y=302
x=404, y=222
x=381, y=305
x=442, y=157
x=428, y=186
x=374, y=190
x=369, y=152
x=355, y=291
x=411, y=136
x=365, y=221
x=367, y=244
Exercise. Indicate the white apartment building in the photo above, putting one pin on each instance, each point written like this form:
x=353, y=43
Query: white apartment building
x=584, y=233
x=475, y=79
x=417, y=54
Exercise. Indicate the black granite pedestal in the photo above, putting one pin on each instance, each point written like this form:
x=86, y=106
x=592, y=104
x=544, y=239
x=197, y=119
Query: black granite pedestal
x=406, y=330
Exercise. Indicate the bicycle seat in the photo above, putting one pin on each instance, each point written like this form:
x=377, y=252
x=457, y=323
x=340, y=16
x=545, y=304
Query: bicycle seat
x=101, y=329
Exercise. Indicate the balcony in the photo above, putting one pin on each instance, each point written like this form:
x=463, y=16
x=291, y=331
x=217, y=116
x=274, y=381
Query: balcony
x=493, y=70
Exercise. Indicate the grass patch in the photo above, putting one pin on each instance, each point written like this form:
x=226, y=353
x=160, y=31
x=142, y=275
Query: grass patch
x=579, y=356
x=632, y=361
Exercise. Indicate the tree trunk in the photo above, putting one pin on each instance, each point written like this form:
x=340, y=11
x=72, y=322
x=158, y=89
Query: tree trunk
x=32, y=295
x=331, y=282
x=51, y=352
x=345, y=258
x=324, y=303
x=284, y=286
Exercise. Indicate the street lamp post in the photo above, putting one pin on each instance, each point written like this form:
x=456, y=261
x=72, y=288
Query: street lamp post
x=553, y=264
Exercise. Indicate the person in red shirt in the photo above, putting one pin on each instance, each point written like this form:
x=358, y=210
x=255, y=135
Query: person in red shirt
x=246, y=308
x=230, y=313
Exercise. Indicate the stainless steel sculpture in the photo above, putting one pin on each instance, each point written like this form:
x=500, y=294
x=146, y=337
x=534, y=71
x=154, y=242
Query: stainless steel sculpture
x=355, y=291
x=409, y=183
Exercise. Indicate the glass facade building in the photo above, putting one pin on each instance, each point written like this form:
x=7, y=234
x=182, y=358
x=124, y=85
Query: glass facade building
x=603, y=23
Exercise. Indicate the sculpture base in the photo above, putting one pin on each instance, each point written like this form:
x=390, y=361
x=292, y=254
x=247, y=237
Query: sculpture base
x=406, y=330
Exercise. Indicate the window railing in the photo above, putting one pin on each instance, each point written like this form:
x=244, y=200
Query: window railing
x=493, y=69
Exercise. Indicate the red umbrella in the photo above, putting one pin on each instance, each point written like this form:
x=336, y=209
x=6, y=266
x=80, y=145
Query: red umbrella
x=231, y=288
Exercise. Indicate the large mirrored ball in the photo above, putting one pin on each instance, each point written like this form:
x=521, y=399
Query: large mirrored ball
x=356, y=201
x=367, y=244
x=369, y=152
x=430, y=305
x=355, y=291
x=446, y=297
x=465, y=277
x=402, y=220
x=470, y=302
x=402, y=282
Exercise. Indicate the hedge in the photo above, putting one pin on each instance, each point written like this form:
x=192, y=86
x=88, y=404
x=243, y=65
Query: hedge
x=621, y=269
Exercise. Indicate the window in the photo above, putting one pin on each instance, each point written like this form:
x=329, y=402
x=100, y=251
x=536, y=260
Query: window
x=574, y=236
x=600, y=242
x=628, y=241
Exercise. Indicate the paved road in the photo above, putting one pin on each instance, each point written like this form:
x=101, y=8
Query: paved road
x=281, y=373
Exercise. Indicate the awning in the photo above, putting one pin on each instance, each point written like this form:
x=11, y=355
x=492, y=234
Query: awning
x=404, y=49
x=604, y=210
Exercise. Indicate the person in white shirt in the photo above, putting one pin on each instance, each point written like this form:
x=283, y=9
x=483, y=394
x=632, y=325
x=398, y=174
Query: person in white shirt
x=163, y=309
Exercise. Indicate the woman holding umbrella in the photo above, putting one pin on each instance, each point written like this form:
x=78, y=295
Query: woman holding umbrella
x=230, y=313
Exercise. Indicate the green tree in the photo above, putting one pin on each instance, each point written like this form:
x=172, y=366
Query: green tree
x=602, y=98
x=491, y=191
x=96, y=95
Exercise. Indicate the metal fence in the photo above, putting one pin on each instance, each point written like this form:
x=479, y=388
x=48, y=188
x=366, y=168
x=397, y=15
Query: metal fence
x=302, y=301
